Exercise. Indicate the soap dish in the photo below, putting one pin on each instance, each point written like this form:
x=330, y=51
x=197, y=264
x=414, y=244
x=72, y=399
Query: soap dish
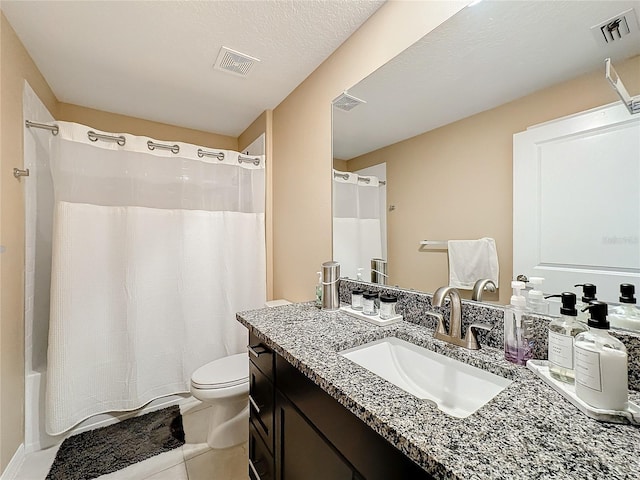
x=375, y=319
x=630, y=415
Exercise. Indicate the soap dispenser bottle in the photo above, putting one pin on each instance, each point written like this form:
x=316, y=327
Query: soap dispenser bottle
x=518, y=339
x=588, y=296
x=626, y=315
x=536, y=300
x=561, y=339
x=601, y=363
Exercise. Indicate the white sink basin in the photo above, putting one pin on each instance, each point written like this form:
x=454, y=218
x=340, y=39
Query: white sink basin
x=458, y=389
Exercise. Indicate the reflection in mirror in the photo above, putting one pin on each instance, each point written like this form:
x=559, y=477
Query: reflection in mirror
x=443, y=114
x=359, y=223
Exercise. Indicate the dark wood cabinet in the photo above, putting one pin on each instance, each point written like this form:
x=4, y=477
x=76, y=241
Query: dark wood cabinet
x=303, y=453
x=261, y=465
x=261, y=404
x=299, y=432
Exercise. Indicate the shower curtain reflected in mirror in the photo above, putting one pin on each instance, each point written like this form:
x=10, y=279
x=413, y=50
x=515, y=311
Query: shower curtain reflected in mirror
x=153, y=254
x=357, y=231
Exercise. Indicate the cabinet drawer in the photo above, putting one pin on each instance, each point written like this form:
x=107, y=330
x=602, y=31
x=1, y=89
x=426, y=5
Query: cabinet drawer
x=261, y=404
x=260, y=460
x=261, y=355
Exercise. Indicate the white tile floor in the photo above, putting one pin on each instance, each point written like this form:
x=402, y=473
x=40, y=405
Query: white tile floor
x=193, y=461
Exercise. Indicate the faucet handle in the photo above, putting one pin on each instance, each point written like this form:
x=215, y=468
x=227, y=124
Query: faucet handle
x=471, y=339
x=440, y=327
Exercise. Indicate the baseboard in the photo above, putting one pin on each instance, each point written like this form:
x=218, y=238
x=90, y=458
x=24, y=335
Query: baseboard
x=14, y=465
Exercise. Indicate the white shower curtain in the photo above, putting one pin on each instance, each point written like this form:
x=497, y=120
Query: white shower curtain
x=153, y=254
x=357, y=235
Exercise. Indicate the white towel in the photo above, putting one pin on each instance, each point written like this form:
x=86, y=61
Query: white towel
x=471, y=260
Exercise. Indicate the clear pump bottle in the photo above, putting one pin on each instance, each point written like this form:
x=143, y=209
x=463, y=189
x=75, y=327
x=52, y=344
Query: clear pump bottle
x=561, y=339
x=518, y=338
x=626, y=315
x=588, y=296
x=601, y=363
x=536, y=301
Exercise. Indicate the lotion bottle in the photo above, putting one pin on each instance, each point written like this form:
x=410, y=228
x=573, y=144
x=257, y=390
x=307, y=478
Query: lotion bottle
x=626, y=315
x=518, y=341
x=601, y=364
x=562, y=332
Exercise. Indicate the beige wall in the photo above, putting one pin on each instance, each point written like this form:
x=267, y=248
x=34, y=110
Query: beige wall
x=455, y=181
x=15, y=66
x=264, y=124
x=302, y=159
x=113, y=122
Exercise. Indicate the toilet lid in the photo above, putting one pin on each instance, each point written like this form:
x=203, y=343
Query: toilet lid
x=224, y=372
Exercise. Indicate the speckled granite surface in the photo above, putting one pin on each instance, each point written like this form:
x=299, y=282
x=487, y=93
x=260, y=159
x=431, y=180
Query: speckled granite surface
x=528, y=431
x=411, y=305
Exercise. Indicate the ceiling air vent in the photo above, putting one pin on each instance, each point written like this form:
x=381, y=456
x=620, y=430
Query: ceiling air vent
x=616, y=28
x=347, y=102
x=234, y=62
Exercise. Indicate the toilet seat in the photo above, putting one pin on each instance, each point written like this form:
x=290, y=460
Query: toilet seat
x=226, y=372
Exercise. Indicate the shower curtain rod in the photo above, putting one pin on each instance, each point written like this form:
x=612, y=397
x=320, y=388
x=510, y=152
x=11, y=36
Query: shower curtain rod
x=93, y=136
x=121, y=140
x=53, y=128
x=345, y=176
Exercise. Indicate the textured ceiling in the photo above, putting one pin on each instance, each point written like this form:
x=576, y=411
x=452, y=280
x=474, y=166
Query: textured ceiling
x=154, y=59
x=484, y=56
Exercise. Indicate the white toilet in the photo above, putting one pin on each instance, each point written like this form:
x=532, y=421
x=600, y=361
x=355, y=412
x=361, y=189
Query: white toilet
x=224, y=384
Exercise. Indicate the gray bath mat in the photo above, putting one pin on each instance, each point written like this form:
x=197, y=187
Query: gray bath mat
x=107, y=449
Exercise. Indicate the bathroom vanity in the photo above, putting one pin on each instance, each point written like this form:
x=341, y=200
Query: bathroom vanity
x=297, y=430
x=316, y=414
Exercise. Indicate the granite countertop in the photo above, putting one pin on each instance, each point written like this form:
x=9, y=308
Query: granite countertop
x=526, y=431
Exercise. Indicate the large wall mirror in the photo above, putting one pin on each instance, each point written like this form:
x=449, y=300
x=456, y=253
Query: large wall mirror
x=436, y=127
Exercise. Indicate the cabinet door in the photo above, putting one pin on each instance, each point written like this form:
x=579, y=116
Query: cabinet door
x=302, y=453
x=261, y=400
x=260, y=459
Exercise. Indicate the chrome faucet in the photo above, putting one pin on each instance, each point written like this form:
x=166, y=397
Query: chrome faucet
x=480, y=286
x=455, y=321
